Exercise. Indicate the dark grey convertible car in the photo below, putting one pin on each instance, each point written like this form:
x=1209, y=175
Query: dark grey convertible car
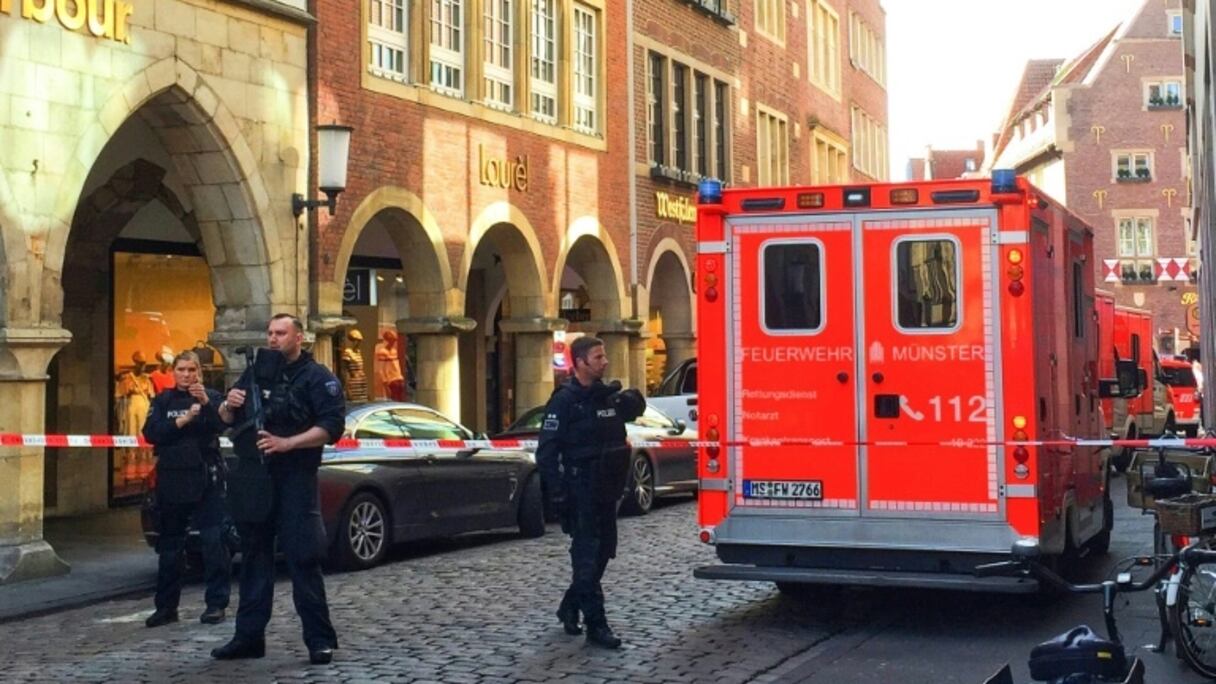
x=372, y=498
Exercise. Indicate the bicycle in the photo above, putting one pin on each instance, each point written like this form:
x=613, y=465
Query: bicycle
x=1106, y=660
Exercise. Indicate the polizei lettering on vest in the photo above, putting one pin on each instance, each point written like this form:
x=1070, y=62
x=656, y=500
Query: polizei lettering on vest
x=941, y=352
x=797, y=354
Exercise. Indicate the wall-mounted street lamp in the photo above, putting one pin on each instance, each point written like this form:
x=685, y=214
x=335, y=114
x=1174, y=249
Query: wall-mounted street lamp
x=333, y=149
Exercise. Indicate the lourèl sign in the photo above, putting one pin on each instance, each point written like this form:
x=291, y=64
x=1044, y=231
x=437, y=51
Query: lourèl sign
x=101, y=18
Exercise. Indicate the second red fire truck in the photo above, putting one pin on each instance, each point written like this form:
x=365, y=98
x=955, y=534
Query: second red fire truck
x=878, y=364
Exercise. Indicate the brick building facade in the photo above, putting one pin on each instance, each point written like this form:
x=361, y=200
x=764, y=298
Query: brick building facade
x=1106, y=133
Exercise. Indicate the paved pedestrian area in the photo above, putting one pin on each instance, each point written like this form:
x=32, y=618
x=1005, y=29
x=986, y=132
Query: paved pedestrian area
x=480, y=610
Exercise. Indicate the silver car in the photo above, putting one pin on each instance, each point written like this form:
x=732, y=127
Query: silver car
x=653, y=472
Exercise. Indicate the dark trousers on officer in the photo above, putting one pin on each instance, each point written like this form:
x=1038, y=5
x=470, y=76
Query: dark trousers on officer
x=296, y=522
x=208, y=517
x=591, y=524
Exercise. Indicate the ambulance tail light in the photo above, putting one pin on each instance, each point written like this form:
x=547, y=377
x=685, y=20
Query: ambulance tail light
x=1015, y=272
x=707, y=536
x=810, y=200
x=904, y=196
x=712, y=451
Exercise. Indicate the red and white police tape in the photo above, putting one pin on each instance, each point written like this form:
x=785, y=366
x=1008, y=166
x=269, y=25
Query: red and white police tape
x=427, y=446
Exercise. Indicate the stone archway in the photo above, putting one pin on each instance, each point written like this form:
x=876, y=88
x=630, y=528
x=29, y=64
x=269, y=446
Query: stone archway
x=590, y=274
x=671, y=298
x=517, y=353
x=428, y=317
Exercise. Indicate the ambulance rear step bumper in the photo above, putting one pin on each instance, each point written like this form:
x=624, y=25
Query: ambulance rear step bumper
x=869, y=578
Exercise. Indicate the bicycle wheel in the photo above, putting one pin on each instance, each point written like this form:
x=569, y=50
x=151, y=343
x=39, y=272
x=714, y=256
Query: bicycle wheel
x=1193, y=619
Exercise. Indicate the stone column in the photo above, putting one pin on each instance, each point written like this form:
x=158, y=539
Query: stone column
x=228, y=341
x=637, y=361
x=24, y=355
x=533, y=358
x=324, y=327
x=438, y=371
x=680, y=347
x=617, y=337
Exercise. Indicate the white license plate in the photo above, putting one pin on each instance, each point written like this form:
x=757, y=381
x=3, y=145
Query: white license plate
x=806, y=490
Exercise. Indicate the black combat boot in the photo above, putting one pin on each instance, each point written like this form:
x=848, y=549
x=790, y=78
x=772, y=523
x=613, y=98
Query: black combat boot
x=212, y=616
x=161, y=617
x=601, y=635
x=569, y=619
x=239, y=650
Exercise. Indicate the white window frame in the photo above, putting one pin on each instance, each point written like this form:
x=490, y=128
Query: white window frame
x=584, y=71
x=1135, y=161
x=869, y=145
x=768, y=121
x=770, y=19
x=499, y=44
x=386, y=40
x=823, y=47
x=1142, y=253
x=1172, y=16
x=866, y=50
x=1163, y=85
x=447, y=35
x=544, y=58
x=836, y=159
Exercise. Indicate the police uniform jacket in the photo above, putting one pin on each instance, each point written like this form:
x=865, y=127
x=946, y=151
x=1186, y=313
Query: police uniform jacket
x=303, y=395
x=582, y=424
x=162, y=431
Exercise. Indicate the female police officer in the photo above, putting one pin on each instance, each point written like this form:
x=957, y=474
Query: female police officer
x=184, y=427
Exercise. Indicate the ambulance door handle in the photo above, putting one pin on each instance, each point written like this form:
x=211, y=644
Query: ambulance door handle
x=842, y=377
x=878, y=378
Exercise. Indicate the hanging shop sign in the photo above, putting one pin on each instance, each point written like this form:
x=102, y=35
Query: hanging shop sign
x=500, y=172
x=101, y=18
x=674, y=208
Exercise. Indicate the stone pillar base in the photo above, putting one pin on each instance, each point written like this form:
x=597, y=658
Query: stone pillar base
x=29, y=561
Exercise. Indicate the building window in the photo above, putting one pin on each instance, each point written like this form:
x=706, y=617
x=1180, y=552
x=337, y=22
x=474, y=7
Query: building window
x=1175, y=23
x=1133, y=166
x=499, y=51
x=829, y=159
x=869, y=142
x=544, y=61
x=1163, y=94
x=720, y=165
x=1137, y=249
x=823, y=26
x=657, y=111
x=772, y=149
x=388, y=38
x=679, y=112
x=700, y=151
x=770, y=19
x=447, y=46
x=585, y=94
x=866, y=49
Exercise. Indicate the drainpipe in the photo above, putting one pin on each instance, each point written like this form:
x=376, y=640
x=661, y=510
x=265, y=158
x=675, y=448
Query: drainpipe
x=632, y=156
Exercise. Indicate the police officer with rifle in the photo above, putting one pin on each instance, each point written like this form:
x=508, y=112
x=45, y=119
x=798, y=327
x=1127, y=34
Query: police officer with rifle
x=273, y=490
x=584, y=462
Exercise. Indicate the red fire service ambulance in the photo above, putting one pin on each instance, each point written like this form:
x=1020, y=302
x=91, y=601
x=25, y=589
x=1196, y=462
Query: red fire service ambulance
x=1178, y=376
x=876, y=364
x=1143, y=408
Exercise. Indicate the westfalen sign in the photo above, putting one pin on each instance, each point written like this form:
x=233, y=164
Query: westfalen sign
x=674, y=208
x=101, y=18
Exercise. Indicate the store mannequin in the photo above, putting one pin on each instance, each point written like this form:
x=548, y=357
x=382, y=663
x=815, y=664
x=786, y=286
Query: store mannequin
x=354, y=378
x=162, y=377
x=134, y=392
x=390, y=381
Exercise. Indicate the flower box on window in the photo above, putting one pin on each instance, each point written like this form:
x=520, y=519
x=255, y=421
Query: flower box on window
x=715, y=9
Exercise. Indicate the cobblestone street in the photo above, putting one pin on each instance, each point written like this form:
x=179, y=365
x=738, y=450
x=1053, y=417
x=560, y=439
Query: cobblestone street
x=480, y=610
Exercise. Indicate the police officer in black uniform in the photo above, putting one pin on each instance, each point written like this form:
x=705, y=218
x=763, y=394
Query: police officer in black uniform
x=584, y=460
x=184, y=428
x=304, y=410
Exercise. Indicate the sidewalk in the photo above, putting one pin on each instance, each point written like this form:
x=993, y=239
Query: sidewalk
x=109, y=559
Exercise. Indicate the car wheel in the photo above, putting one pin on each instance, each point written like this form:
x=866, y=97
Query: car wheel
x=532, y=509
x=640, y=498
x=362, y=532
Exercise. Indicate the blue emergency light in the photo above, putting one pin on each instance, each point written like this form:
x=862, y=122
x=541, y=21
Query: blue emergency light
x=1004, y=180
x=709, y=191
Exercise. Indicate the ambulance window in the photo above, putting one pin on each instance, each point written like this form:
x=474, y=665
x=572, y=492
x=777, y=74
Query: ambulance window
x=927, y=284
x=793, y=287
